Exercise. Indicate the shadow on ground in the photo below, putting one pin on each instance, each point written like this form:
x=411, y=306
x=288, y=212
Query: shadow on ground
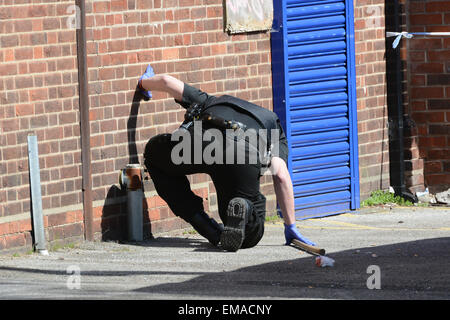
x=197, y=245
x=410, y=270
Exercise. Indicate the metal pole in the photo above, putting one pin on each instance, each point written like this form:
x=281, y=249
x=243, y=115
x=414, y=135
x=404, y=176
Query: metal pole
x=84, y=123
x=36, y=197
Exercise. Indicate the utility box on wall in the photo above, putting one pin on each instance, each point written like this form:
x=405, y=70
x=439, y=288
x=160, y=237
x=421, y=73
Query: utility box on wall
x=248, y=15
x=315, y=97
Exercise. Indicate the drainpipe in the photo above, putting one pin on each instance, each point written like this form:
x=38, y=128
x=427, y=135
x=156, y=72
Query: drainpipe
x=131, y=179
x=395, y=104
x=83, y=93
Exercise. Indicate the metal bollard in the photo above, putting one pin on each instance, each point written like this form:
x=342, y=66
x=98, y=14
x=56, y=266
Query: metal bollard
x=131, y=178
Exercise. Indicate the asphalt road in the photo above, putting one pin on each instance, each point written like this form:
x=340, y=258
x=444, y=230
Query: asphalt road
x=383, y=254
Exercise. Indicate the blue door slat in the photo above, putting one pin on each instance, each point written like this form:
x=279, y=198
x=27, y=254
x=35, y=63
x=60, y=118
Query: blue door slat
x=320, y=48
x=296, y=3
x=321, y=174
x=322, y=199
x=320, y=138
x=322, y=187
x=318, y=74
x=319, y=125
x=318, y=100
x=310, y=164
x=314, y=10
x=337, y=110
x=317, y=87
x=324, y=149
x=333, y=60
x=316, y=36
x=314, y=23
x=322, y=211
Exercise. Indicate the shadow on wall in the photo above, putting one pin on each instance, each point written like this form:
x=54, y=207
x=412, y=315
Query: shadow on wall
x=114, y=214
x=131, y=125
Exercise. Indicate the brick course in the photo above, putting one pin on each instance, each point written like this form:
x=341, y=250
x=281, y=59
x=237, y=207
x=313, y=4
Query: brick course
x=38, y=95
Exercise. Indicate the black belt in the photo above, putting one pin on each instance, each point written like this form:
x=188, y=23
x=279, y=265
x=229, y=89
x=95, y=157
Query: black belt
x=194, y=112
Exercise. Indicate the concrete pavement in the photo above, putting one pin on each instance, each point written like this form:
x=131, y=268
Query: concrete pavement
x=402, y=251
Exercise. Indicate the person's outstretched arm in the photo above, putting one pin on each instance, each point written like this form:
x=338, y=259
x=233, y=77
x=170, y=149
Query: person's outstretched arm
x=184, y=94
x=166, y=83
x=285, y=197
x=149, y=82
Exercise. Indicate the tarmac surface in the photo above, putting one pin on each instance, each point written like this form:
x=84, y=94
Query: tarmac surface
x=384, y=254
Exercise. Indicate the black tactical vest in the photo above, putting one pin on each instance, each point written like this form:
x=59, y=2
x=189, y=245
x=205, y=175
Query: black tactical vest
x=266, y=118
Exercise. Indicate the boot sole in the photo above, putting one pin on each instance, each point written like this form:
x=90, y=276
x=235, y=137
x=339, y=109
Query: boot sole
x=234, y=231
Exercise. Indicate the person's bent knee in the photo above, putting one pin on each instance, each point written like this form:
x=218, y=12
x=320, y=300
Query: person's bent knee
x=155, y=150
x=156, y=143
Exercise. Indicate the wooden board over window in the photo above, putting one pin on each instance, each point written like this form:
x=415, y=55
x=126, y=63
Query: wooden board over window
x=248, y=15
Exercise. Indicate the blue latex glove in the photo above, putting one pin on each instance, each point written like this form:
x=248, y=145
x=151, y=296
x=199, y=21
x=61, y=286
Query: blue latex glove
x=147, y=74
x=291, y=232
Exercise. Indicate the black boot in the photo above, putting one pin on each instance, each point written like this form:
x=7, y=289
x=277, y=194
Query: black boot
x=206, y=227
x=233, y=235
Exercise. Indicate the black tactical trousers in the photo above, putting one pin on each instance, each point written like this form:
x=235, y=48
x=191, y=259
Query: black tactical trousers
x=230, y=180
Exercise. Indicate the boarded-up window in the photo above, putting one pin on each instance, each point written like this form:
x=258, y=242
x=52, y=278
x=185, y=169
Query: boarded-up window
x=248, y=15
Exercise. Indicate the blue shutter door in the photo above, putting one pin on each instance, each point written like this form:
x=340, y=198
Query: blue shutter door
x=315, y=97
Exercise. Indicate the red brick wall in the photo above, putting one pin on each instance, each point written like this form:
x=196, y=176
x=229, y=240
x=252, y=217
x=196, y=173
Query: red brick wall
x=428, y=79
x=38, y=94
x=184, y=38
x=371, y=96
